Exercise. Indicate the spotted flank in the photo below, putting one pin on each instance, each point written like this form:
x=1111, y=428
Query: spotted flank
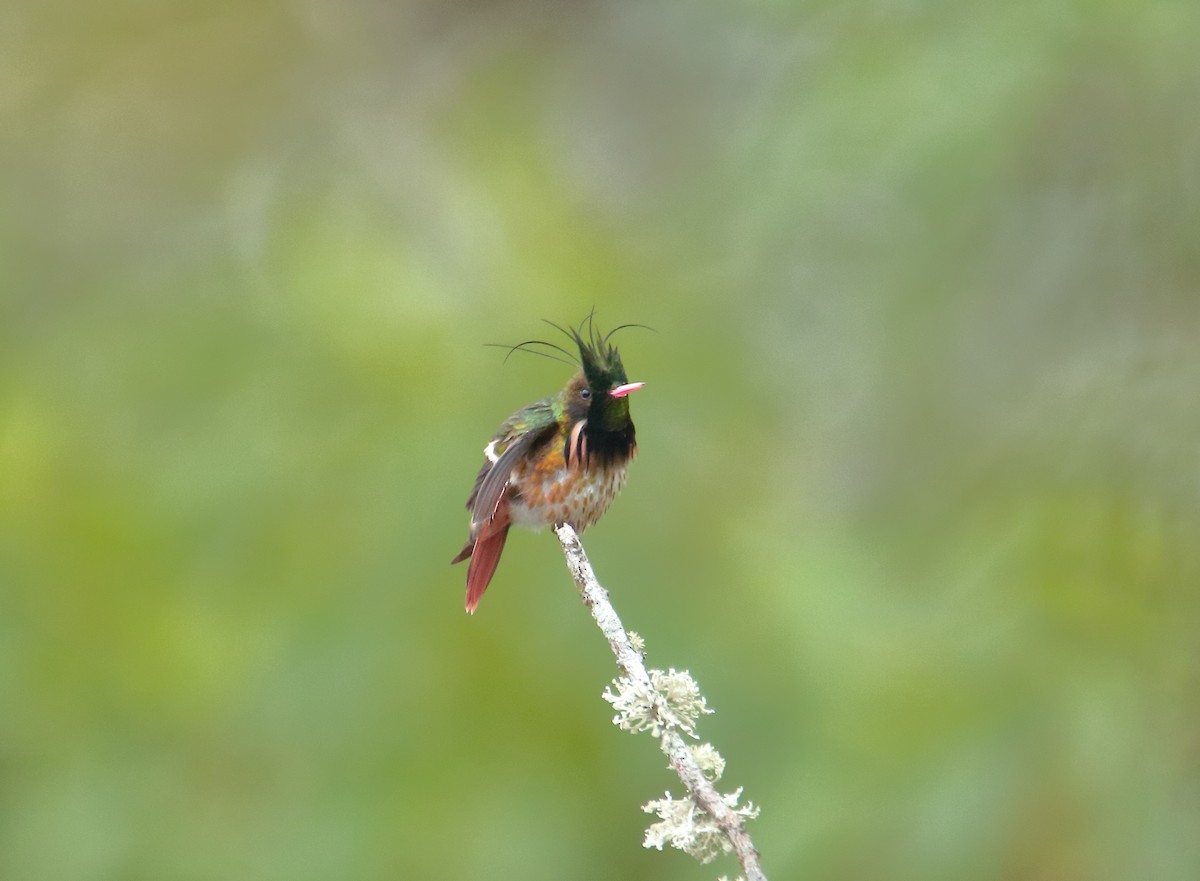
x=552, y=492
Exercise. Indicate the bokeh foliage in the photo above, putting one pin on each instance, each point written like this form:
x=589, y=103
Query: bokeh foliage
x=917, y=499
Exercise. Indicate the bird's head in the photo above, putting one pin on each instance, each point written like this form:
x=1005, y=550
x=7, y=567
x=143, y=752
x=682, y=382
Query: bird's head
x=599, y=392
x=602, y=385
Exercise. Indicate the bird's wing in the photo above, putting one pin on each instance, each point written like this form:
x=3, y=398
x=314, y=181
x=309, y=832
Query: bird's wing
x=516, y=437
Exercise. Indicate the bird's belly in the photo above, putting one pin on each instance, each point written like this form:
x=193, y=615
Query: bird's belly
x=566, y=495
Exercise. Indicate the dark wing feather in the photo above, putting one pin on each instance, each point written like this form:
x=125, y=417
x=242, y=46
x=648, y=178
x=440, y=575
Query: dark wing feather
x=492, y=484
x=519, y=434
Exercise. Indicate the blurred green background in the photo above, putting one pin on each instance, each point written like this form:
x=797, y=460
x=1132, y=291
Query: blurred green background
x=917, y=498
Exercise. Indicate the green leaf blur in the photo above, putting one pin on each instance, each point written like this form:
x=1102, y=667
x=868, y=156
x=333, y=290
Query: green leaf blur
x=917, y=498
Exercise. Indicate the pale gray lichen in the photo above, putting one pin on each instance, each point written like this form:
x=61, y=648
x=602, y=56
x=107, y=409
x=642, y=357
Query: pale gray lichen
x=685, y=826
x=673, y=703
x=710, y=762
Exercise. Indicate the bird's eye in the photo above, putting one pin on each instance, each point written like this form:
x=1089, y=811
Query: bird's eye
x=585, y=393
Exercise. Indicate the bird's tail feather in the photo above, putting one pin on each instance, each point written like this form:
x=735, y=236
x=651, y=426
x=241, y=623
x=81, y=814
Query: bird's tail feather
x=486, y=555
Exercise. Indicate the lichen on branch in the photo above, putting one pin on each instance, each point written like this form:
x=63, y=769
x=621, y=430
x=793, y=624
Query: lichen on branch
x=705, y=823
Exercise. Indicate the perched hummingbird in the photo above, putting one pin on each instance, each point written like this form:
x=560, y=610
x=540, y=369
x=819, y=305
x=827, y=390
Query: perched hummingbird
x=560, y=460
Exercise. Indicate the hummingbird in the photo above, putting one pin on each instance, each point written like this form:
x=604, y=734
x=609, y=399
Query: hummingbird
x=560, y=460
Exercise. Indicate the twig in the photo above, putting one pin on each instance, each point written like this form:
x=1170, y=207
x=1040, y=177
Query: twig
x=629, y=659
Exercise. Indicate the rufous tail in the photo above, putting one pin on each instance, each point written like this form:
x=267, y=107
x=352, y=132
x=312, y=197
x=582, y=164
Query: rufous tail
x=485, y=555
